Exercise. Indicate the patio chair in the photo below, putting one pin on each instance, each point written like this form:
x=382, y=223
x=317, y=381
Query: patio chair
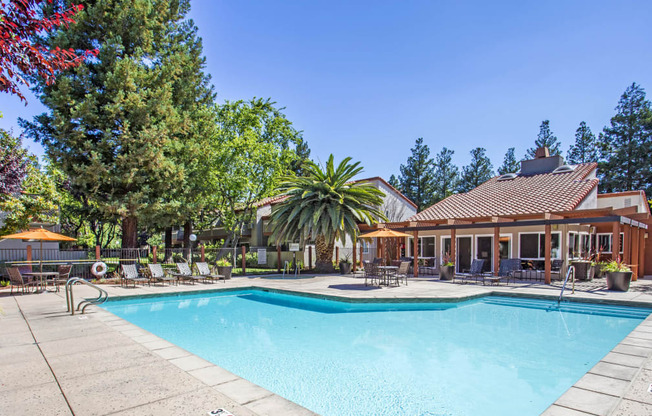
x=403, y=271
x=130, y=274
x=378, y=261
x=16, y=279
x=158, y=274
x=205, y=270
x=64, y=274
x=185, y=274
x=475, y=272
x=555, y=268
x=371, y=273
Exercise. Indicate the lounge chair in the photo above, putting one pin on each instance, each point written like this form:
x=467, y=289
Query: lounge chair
x=204, y=270
x=186, y=274
x=158, y=274
x=130, y=274
x=475, y=272
x=16, y=279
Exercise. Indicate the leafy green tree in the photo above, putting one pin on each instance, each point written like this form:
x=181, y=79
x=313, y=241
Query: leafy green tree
x=585, y=149
x=510, y=164
x=325, y=206
x=626, y=145
x=114, y=124
x=545, y=139
x=251, y=150
x=14, y=163
x=35, y=203
x=417, y=176
x=446, y=175
x=477, y=172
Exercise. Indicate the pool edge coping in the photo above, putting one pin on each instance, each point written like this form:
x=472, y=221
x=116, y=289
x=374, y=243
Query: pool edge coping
x=569, y=401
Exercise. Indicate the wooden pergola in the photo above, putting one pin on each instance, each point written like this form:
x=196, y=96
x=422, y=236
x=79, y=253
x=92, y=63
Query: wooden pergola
x=633, y=225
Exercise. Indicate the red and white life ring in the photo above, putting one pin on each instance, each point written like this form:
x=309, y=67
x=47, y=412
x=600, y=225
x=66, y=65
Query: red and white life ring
x=99, y=269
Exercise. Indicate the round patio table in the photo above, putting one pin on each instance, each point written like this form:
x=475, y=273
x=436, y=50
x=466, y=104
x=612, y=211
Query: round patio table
x=42, y=276
x=387, y=272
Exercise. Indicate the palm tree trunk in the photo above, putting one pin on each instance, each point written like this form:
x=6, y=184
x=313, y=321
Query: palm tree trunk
x=324, y=251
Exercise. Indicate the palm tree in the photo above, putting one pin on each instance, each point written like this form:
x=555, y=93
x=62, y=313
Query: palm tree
x=325, y=205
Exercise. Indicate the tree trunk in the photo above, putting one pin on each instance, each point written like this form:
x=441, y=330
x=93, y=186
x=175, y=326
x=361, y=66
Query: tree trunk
x=324, y=251
x=187, y=230
x=168, y=244
x=129, y=232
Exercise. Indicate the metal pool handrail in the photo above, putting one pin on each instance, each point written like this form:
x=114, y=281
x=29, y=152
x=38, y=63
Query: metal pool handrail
x=571, y=271
x=70, y=303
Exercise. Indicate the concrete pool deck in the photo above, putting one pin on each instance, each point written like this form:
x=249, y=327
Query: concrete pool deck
x=98, y=364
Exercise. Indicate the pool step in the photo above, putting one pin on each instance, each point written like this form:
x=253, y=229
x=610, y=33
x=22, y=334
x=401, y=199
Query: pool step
x=571, y=307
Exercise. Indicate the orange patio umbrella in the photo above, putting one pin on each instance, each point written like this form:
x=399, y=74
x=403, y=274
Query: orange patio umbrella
x=39, y=234
x=384, y=233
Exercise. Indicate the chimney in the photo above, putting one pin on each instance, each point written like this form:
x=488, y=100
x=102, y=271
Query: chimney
x=542, y=163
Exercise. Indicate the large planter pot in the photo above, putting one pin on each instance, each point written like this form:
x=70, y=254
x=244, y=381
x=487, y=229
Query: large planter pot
x=345, y=268
x=619, y=281
x=583, y=270
x=446, y=272
x=225, y=271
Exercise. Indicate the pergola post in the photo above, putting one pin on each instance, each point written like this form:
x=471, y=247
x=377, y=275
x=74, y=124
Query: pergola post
x=29, y=256
x=641, y=252
x=361, y=248
x=278, y=258
x=615, y=241
x=453, y=249
x=337, y=254
x=415, y=253
x=154, y=254
x=355, y=259
x=548, y=249
x=496, y=249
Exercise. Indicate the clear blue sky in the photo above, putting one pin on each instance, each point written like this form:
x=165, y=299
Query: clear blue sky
x=365, y=79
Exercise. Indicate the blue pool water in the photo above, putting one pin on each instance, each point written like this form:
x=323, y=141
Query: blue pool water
x=489, y=356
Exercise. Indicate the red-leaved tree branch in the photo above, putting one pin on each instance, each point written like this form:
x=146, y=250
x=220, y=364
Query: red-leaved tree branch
x=20, y=57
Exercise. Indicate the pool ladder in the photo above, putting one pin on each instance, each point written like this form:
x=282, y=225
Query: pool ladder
x=288, y=267
x=70, y=303
x=569, y=273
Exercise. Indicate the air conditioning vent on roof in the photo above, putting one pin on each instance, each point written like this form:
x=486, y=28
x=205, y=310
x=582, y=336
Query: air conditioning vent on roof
x=507, y=176
x=564, y=169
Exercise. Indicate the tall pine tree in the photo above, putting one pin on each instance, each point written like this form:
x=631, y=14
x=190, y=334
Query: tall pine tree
x=446, y=175
x=393, y=180
x=510, y=164
x=545, y=139
x=585, y=149
x=626, y=145
x=478, y=171
x=417, y=176
x=117, y=123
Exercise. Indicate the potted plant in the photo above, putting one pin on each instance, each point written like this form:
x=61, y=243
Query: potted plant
x=599, y=268
x=345, y=265
x=224, y=267
x=447, y=268
x=619, y=275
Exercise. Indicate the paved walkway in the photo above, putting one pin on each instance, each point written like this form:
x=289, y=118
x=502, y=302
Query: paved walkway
x=98, y=364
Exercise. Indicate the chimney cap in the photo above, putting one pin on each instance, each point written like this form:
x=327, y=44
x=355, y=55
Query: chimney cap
x=542, y=152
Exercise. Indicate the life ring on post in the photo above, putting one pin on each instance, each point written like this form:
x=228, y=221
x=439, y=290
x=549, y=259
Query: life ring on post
x=99, y=269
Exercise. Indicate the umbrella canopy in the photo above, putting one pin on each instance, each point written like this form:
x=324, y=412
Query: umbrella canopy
x=384, y=233
x=39, y=234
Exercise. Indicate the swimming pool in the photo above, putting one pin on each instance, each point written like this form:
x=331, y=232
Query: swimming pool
x=488, y=356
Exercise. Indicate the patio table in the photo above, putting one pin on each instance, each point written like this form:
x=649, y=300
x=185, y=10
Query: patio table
x=387, y=272
x=42, y=276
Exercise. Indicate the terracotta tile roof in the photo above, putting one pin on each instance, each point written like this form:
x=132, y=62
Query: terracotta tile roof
x=532, y=194
x=271, y=200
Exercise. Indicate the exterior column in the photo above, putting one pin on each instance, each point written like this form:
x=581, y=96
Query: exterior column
x=29, y=257
x=98, y=255
x=278, y=258
x=361, y=249
x=634, y=251
x=548, y=249
x=202, y=250
x=615, y=241
x=641, y=252
x=453, y=248
x=154, y=255
x=310, y=257
x=496, y=249
x=244, y=260
x=355, y=260
x=627, y=246
x=415, y=253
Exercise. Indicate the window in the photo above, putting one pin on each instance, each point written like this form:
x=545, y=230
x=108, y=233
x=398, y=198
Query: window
x=604, y=242
x=532, y=246
x=573, y=245
x=446, y=248
x=428, y=247
x=365, y=246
